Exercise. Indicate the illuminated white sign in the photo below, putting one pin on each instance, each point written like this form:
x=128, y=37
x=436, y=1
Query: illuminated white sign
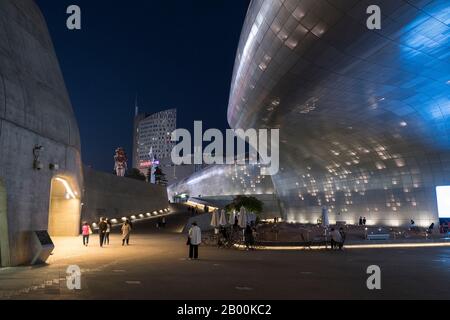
x=443, y=200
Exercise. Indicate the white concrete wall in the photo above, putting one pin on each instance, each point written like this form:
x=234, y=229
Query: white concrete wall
x=107, y=195
x=34, y=110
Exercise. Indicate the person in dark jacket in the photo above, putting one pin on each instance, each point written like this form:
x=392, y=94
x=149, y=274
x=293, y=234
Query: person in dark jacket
x=343, y=236
x=108, y=231
x=249, y=239
x=102, y=227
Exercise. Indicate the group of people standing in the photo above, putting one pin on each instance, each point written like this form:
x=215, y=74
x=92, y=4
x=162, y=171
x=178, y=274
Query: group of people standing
x=193, y=211
x=104, y=230
x=362, y=221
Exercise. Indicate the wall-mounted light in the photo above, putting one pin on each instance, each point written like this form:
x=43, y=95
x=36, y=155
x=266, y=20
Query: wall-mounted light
x=37, y=165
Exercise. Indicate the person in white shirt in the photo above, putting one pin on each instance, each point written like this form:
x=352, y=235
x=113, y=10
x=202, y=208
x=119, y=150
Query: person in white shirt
x=195, y=239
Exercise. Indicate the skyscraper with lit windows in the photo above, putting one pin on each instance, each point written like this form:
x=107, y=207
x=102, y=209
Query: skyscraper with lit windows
x=152, y=137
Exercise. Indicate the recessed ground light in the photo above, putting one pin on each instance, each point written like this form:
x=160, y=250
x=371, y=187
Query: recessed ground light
x=448, y=82
x=403, y=124
x=141, y=216
x=124, y=219
x=133, y=217
x=148, y=214
x=382, y=99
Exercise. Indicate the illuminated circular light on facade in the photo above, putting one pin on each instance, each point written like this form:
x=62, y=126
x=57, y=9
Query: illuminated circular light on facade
x=114, y=221
x=148, y=214
x=124, y=219
x=400, y=163
x=155, y=213
x=141, y=216
x=380, y=165
x=133, y=217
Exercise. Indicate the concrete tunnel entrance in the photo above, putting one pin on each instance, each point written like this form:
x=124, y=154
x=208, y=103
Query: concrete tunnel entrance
x=64, y=209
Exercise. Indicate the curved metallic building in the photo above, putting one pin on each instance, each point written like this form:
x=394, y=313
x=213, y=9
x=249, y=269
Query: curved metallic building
x=219, y=184
x=363, y=114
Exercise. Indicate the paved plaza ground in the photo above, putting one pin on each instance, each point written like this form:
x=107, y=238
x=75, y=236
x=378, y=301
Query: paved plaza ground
x=154, y=266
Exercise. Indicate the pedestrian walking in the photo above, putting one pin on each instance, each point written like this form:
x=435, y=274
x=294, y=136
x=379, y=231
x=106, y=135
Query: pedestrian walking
x=86, y=232
x=159, y=223
x=343, y=237
x=108, y=231
x=102, y=226
x=126, y=230
x=194, y=240
x=249, y=238
x=336, y=238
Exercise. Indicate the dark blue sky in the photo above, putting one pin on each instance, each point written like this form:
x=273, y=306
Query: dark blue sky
x=173, y=54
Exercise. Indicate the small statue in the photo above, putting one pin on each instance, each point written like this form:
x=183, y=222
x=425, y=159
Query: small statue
x=120, y=159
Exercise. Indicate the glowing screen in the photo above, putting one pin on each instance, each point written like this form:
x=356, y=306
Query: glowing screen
x=443, y=200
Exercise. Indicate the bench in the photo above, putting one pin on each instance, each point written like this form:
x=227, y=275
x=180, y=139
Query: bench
x=384, y=236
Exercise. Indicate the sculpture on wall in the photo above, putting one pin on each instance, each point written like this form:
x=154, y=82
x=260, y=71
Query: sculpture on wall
x=120, y=162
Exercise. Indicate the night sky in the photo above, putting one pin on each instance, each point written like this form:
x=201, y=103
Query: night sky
x=172, y=54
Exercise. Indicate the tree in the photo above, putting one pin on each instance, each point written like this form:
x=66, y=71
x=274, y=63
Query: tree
x=135, y=174
x=249, y=203
x=160, y=177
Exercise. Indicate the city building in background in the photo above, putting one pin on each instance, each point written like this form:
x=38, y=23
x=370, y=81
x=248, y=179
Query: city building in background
x=152, y=138
x=153, y=146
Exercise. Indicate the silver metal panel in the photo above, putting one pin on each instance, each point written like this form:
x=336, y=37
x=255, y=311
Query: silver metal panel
x=364, y=115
